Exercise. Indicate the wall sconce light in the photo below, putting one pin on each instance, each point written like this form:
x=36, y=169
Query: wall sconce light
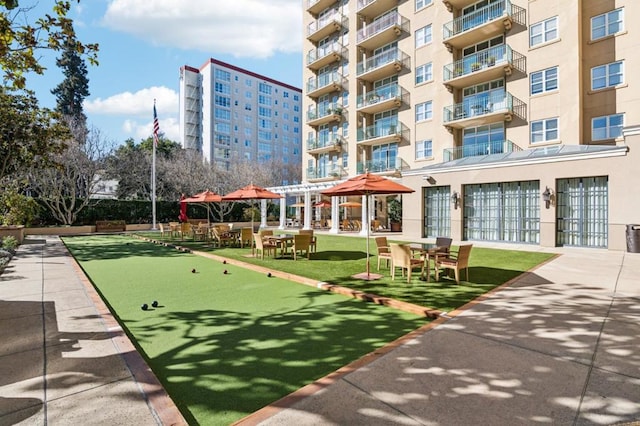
x=455, y=199
x=429, y=179
x=546, y=197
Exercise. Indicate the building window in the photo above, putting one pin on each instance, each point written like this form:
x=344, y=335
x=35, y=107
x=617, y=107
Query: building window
x=543, y=32
x=424, y=111
x=424, y=149
x=607, y=24
x=222, y=75
x=544, y=81
x=437, y=211
x=422, y=3
x=544, y=130
x=606, y=127
x=423, y=36
x=606, y=75
x=424, y=73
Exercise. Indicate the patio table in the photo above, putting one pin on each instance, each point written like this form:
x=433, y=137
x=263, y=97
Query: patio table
x=428, y=251
x=284, y=241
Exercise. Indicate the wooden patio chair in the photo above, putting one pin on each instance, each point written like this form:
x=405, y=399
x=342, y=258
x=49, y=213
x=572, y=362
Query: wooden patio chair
x=383, y=251
x=165, y=230
x=401, y=258
x=456, y=262
x=263, y=246
x=201, y=232
x=302, y=245
x=313, y=238
x=186, y=230
x=246, y=236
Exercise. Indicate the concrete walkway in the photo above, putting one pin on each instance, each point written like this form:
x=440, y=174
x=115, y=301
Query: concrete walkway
x=561, y=345
x=63, y=357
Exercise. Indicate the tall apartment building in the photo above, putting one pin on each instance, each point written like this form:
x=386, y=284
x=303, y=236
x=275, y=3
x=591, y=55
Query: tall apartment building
x=514, y=120
x=228, y=113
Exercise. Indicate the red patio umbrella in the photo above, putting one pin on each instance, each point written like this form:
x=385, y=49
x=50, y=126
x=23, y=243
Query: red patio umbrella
x=183, y=210
x=367, y=184
x=205, y=197
x=251, y=193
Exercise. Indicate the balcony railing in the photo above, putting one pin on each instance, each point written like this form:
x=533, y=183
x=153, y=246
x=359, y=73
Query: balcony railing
x=326, y=25
x=325, y=143
x=479, y=149
x=481, y=17
x=498, y=55
x=373, y=166
x=325, y=110
x=329, y=80
x=373, y=8
x=393, y=131
x=393, y=22
x=317, y=6
x=382, y=96
x=485, y=104
x=392, y=56
x=328, y=172
x=325, y=54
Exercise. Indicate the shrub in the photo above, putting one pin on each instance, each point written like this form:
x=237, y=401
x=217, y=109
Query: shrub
x=9, y=243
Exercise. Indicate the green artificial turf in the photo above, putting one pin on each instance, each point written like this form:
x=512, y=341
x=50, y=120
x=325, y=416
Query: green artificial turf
x=225, y=345
x=340, y=257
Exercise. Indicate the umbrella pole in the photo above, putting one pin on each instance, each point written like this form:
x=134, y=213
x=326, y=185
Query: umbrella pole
x=366, y=209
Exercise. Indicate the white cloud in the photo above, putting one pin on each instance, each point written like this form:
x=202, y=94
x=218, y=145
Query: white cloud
x=243, y=28
x=139, y=103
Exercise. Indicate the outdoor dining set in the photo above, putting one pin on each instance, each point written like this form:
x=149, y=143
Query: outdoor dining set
x=408, y=257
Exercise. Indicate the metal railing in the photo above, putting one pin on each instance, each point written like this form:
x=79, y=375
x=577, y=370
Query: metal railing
x=383, y=93
x=479, y=149
x=318, y=24
x=325, y=141
x=319, y=53
x=375, y=131
x=325, y=172
x=374, y=166
x=480, y=17
x=323, y=110
x=325, y=80
x=381, y=59
x=497, y=55
x=484, y=104
x=379, y=25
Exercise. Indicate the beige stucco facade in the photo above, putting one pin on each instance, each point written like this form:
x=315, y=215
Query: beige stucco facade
x=485, y=98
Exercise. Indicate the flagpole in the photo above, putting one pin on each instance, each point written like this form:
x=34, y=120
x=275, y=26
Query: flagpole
x=153, y=166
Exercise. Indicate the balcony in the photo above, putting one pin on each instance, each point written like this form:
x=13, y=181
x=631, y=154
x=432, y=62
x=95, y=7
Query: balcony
x=371, y=8
x=486, y=22
x=325, y=83
x=325, y=143
x=382, y=98
x=479, y=149
x=325, y=55
x=490, y=64
x=316, y=6
x=484, y=109
x=315, y=174
x=391, y=166
x=324, y=113
x=382, y=65
x=378, y=134
x=382, y=31
x=322, y=28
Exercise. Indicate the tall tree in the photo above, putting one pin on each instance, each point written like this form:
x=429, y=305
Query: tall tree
x=20, y=40
x=72, y=91
x=28, y=134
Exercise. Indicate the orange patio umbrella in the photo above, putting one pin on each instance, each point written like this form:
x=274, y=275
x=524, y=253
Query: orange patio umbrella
x=205, y=197
x=367, y=184
x=251, y=193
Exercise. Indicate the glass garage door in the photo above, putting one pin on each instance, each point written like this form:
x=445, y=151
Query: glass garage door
x=437, y=211
x=502, y=211
x=582, y=206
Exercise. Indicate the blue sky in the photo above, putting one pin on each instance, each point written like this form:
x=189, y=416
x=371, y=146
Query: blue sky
x=143, y=44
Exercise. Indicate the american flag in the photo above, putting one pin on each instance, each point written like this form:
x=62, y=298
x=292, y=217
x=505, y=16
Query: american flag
x=156, y=125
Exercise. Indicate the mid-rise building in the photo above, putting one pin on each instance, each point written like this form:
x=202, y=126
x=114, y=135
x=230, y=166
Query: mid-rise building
x=228, y=113
x=513, y=120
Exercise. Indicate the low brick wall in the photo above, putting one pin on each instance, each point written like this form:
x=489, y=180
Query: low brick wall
x=111, y=226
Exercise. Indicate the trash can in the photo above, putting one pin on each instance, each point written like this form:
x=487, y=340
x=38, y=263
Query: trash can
x=633, y=238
